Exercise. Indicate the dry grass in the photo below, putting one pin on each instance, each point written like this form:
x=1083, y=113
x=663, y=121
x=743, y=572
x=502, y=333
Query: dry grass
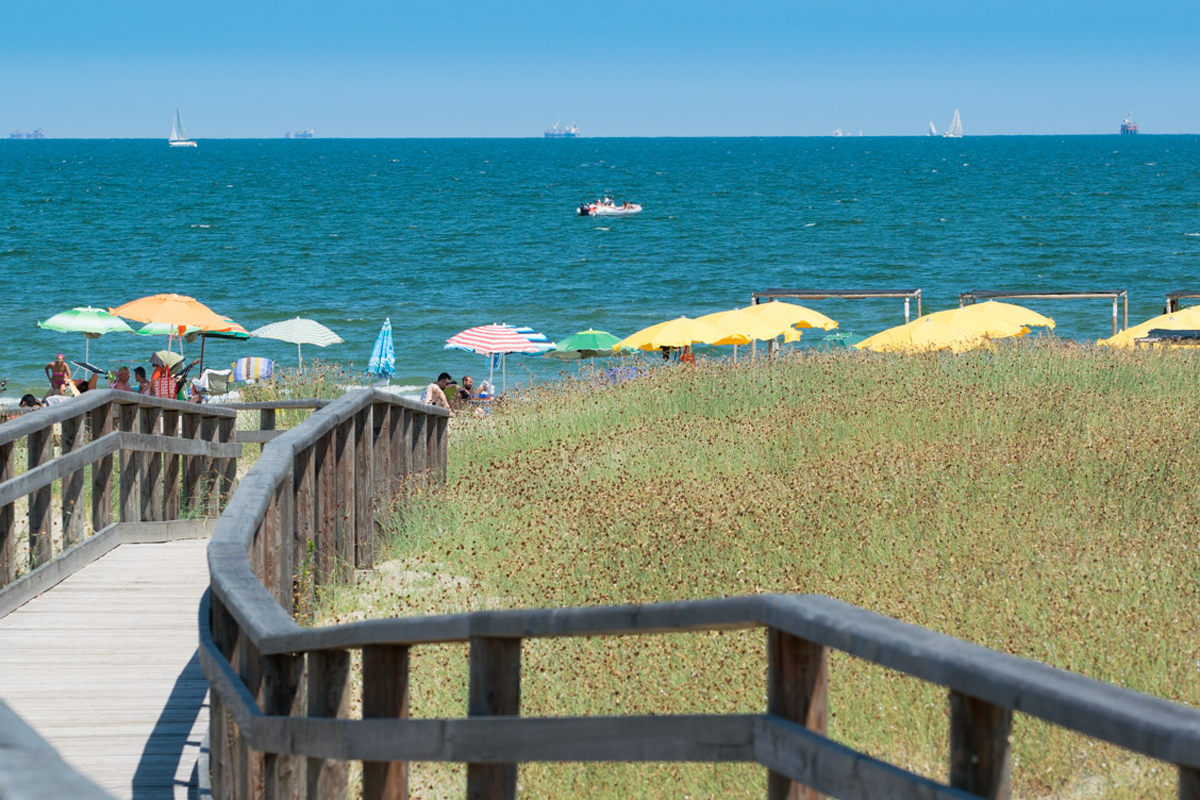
x=1034, y=499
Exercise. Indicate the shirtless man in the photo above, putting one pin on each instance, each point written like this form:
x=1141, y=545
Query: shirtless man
x=122, y=381
x=57, y=372
x=435, y=393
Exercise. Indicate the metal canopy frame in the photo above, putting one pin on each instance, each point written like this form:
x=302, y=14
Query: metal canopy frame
x=1173, y=299
x=968, y=298
x=842, y=294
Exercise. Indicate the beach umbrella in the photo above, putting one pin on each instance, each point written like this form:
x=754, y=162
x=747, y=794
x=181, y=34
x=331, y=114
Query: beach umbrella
x=745, y=326
x=166, y=358
x=993, y=326
x=995, y=311
x=493, y=340
x=544, y=344
x=839, y=339
x=174, y=309
x=1185, y=319
x=792, y=314
x=383, y=354
x=91, y=322
x=923, y=334
x=584, y=344
x=673, y=333
x=300, y=331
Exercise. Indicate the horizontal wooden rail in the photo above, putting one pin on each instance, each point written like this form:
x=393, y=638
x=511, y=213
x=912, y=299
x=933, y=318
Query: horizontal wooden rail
x=281, y=692
x=30, y=769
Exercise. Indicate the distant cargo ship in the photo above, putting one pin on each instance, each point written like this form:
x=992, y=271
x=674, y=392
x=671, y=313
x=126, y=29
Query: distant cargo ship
x=304, y=134
x=562, y=131
x=40, y=133
x=1129, y=126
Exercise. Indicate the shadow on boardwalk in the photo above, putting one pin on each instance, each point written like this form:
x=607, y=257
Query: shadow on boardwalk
x=157, y=772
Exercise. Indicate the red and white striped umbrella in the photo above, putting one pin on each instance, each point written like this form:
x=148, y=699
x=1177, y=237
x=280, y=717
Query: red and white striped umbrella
x=492, y=339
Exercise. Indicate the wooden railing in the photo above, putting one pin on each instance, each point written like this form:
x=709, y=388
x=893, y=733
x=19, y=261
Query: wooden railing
x=164, y=459
x=281, y=693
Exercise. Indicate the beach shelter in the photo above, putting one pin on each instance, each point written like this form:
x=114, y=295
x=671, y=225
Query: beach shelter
x=383, y=355
x=299, y=331
x=176, y=310
x=539, y=339
x=91, y=322
x=492, y=340
x=673, y=333
x=1185, y=319
x=923, y=334
x=584, y=344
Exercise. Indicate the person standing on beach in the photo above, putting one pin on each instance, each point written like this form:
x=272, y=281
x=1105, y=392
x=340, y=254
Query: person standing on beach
x=435, y=393
x=57, y=372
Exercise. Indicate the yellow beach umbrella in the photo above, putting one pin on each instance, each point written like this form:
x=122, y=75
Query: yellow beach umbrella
x=995, y=318
x=991, y=327
x=1185, y=319
x=792, y=314
x=743, y=326
x=923, y=334
x=673, y=333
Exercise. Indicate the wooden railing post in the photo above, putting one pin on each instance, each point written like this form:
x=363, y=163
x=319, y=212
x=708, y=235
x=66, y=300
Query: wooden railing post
x=41, y=548
x=102, y=470
x=282, y=695
x=328, y=696
x=381, y=449
x=797, y=690
x=326, y=510
x=73, y=514
x=364, y=491
x=131, y=467
x=401, y=451
x=980, y=751
x=193, y=467
x=304, y=533
x=266, y=419
x=346, y=506
x=226, y=467
x=494, y=690
x=152, y=468
x=418, y=440
x=223, y=731
x=8, y=520
x=1189, y=783
x=171, y=471
x=385, y=695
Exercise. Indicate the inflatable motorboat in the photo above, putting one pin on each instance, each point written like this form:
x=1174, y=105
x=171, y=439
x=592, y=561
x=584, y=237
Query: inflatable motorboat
x=608, y=208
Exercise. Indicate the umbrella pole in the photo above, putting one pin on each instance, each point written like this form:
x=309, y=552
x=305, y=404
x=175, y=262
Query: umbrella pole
x=300, y=358
x=203, y=339
x=492, y=369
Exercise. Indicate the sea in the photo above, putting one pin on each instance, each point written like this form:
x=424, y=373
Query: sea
x=440, y=235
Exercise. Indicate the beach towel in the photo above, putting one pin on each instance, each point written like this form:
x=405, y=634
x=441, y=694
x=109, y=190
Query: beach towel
x=252, y=369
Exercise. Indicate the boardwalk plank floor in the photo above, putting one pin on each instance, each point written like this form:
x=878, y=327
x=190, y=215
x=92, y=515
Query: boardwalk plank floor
x=104, y=666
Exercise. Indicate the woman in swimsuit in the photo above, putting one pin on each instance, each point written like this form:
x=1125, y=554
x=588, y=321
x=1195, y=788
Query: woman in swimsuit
x=57, y=372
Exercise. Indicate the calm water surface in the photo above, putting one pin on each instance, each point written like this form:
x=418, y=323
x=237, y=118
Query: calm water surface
x=441, y=235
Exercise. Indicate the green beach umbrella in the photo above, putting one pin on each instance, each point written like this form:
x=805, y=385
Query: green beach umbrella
x=585, y=344
x=838, y=339
x=91, y=322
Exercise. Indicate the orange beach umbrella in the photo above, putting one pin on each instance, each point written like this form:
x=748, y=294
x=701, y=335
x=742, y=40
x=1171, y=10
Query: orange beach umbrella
x=175, y=310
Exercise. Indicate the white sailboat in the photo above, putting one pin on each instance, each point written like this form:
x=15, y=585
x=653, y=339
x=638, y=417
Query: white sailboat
x=179, y=137
x=955, y=129
x=932, y=130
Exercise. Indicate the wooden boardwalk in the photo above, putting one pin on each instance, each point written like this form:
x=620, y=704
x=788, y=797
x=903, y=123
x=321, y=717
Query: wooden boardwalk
x=105, y=667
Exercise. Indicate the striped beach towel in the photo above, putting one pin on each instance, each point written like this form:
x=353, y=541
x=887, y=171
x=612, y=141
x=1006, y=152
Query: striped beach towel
x=252, y=369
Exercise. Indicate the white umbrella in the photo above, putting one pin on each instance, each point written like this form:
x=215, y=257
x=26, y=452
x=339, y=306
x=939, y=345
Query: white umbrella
x=299, y=332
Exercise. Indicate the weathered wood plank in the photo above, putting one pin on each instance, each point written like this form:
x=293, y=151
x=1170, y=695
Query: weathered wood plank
x=326, y=511
x=980, y=751
x=304, y=532
x=44, y=475
x=282, y=695
x=8, y=519
x=226, y=466
x=193, y=468
x=40, y=544
x=210, y=490
x=798, y=691
x=102, y=470
x=130, y=468
x=149, y=419
x=344, y=490
x=1189, y=784
x=364, y=491
x=172, y=477
x=494, y=689
x=328, y=696
x=385, y=695
x=74, y=515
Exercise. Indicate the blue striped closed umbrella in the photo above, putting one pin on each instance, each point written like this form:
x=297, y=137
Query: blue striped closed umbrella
x=383, y=354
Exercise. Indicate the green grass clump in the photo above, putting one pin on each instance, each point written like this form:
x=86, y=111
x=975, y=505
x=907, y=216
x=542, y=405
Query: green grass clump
x=1036, y=499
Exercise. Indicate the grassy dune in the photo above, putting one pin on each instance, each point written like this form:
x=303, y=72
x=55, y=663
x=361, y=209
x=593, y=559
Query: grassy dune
x=1036, y=499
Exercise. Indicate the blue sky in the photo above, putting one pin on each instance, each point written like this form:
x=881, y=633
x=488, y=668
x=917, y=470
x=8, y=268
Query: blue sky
x=627, y=68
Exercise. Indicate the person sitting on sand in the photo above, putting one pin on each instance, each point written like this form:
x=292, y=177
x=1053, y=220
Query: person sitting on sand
x=435, y=394
x=57, y=372
x=467, y=392
x=686, y=356
x=121, y=382
x=29, y=401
